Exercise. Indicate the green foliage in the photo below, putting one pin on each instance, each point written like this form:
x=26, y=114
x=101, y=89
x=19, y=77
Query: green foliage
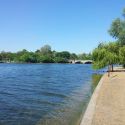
x=46, y=59
x=63, y=54
x=45, y=50
x=61, y=57
x=122, y=55
x=99, y=58
x=0, y=57
x=95, y=79
x=60, y=60
x=73, y=56
x=85, y=56
x=113, y=52
x=27, y=57
x=117, y=29
x=113, y=47
x=123, y=13
x=105, y=55
x=43, y=55
x=6, y=56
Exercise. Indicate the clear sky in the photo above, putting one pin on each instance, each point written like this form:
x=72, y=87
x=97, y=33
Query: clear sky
x=74, y=25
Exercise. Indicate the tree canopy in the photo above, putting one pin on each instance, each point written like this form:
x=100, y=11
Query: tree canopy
x=117, y=29
x=105, y=55
x=108, y=54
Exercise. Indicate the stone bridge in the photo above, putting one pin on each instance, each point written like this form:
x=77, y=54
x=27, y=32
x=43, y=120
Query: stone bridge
x=81, y=61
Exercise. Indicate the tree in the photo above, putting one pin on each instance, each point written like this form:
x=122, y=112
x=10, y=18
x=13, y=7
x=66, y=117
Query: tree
x=64, y=54
x=85, y=56
x=122, y=56
x=113, y=52
x=73, y=56
x=45, y=59
x=45, y=50
x=0, y=57
x=99, y=58
x=117, y=29
x=60, y=60
x=105, y=56
x=123, y=13
x=3, y=55
x=82, y=56
x=28, y=58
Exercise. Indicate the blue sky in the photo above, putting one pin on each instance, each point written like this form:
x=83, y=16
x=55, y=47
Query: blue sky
x=74, y=25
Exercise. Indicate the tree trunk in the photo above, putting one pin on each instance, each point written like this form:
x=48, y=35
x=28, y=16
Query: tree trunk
x=112, y=67
x=108, y=70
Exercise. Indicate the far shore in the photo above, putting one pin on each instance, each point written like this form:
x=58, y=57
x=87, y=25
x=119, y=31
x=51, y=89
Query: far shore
x=41, y=63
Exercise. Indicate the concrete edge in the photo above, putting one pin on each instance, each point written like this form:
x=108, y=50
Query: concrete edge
x=89, y=113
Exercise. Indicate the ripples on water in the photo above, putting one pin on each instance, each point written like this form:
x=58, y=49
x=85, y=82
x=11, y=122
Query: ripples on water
x=44, y=94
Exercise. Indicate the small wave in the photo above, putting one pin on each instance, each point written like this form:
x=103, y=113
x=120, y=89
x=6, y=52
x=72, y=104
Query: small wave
x=54, y=94
x=5, y=93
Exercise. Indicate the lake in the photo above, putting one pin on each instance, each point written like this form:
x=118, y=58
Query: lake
x=45, y=94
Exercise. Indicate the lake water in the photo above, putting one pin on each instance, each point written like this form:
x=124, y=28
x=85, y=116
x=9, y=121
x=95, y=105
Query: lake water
x=45, y=94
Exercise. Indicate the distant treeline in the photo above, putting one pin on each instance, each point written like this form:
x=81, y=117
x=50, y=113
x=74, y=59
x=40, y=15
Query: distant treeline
x=43, y=55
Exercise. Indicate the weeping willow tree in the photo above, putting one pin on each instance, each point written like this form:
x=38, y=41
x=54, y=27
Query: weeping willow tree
x=122, y=55
x=105, y=55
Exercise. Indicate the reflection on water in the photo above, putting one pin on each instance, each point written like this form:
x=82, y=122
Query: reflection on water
x=45, y=94
x=95, y=79
x=71, y=113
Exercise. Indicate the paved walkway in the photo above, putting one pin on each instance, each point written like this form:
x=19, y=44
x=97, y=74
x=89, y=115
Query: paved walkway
x=109, y=107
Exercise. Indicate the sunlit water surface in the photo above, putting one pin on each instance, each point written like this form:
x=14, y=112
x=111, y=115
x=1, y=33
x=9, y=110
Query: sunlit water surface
x=45, y=94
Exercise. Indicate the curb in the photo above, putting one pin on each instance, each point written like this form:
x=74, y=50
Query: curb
x=89, y=113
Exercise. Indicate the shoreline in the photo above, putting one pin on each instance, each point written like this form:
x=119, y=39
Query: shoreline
x=88, y=115
x=44, y=63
